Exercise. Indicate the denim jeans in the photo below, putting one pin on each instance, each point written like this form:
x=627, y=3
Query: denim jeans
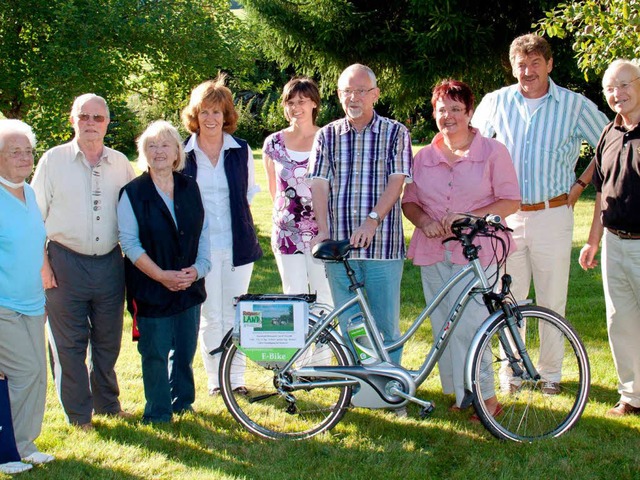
x=167, y=346
x=381, y=279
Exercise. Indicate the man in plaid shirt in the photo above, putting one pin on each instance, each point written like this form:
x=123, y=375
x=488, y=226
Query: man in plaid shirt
x=358, y=166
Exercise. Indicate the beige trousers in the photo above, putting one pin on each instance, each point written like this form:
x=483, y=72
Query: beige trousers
x=621, y=279
x=543, y=239
x=23, y=361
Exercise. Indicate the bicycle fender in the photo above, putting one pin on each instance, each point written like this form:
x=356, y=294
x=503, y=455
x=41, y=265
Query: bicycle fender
x=478, y=337
x=223, y=343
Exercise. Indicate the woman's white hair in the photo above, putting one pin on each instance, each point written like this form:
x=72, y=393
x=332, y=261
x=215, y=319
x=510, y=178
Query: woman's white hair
x=12, y=126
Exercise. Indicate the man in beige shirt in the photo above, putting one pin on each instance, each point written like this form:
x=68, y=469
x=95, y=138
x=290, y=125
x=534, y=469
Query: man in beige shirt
x=77, y=186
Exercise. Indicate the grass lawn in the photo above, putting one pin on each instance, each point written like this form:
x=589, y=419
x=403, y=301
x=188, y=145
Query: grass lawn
x=367, y=444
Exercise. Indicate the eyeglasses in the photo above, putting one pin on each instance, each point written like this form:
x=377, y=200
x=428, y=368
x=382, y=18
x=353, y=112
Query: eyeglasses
x=83, y=117
x=15, y=154
x=451, y=111
x=622, y=87
x=152, y=146
x=359, y=92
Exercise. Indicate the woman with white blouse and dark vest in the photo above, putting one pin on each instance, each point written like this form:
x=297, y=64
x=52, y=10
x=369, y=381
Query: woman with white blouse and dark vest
x=164, y=235
x=223, y=167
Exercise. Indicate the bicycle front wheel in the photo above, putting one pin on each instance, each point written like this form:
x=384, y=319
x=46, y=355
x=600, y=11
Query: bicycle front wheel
x=271, y=412
x=531, y=408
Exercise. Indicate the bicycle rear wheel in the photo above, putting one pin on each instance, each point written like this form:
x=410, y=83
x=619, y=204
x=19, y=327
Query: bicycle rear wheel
x=274, y=413
x=531, y=409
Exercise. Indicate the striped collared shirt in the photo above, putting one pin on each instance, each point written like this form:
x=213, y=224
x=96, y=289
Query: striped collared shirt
x=357, y=166
x=545, y=144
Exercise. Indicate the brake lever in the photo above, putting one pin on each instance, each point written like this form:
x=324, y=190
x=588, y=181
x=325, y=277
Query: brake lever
x=449, y=239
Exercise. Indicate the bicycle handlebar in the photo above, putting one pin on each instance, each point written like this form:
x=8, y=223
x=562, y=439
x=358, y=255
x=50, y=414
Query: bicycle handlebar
x=473, y=225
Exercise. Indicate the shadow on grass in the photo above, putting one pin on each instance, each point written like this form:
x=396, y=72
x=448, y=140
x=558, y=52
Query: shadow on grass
x=366, y=444
x=76, y=469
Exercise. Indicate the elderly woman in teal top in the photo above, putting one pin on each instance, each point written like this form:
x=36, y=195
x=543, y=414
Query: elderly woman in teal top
x=286, y=155
x=22, y=345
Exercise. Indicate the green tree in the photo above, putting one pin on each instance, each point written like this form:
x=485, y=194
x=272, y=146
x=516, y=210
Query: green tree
x=410, y=44
x=600, y=31
x=53, y=50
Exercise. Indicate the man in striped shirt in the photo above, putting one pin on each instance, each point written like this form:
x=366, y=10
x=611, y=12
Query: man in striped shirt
x=543, y=126
x=358, y=166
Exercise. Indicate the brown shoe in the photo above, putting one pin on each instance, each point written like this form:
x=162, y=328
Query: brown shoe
x=87, y=427
x=550, y=388
x=241, y=391
x=123, y=414
x=621, y=409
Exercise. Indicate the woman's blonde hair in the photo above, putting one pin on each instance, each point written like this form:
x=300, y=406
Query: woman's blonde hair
x=160, y=129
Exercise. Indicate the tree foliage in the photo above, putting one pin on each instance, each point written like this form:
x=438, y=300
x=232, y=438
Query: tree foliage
x=601, y=31
x=54, y=50
x=410, y=44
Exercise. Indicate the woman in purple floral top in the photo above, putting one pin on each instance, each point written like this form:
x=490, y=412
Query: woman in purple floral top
x=286, y=155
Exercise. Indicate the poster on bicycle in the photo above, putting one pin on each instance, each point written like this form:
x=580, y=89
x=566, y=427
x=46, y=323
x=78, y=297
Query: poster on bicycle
x=271, y=331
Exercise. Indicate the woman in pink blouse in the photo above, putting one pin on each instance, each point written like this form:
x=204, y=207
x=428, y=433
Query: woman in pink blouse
x=459, y=172
x=286, y=155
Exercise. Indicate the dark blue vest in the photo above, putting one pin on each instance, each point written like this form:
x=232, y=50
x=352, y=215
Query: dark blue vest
x=246, y=248
x=170, y=247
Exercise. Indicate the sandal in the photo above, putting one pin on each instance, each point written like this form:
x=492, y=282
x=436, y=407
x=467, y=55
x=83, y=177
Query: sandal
x=497, y=412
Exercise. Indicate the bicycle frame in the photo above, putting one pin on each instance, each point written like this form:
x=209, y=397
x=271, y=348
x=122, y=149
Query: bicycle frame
x=477, y=285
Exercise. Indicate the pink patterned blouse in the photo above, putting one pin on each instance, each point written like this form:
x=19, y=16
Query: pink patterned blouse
x=294, y=224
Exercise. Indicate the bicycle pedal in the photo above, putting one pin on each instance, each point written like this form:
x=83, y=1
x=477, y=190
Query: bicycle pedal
x=426, y=412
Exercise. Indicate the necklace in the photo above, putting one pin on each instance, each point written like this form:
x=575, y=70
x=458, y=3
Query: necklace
x=212, y=152
x=463, y=146
x=9, y=184
x=166, y=189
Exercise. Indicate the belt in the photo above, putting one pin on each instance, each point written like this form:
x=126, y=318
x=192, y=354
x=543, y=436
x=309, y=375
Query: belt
x=84, y=255
x=624, y=235
x=554, y=202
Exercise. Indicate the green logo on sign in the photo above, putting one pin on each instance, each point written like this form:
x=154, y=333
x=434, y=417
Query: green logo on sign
x=252, y=318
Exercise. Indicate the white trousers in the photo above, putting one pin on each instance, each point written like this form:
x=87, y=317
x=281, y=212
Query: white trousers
x=544, y=240
x=621, y=279
x=452, y=362
x=223, y=283
x=301, y=273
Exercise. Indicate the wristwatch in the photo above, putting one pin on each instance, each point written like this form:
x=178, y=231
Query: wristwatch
x=376, y=217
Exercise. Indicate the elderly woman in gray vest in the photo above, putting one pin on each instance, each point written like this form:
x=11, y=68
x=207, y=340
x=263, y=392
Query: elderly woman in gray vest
x=164, y=235
x=223, y=167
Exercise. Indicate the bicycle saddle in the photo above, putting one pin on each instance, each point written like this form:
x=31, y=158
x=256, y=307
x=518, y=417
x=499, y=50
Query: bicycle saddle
x=336, y=250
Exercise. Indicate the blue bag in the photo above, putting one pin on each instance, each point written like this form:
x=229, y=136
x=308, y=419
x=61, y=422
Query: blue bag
x=8, y=449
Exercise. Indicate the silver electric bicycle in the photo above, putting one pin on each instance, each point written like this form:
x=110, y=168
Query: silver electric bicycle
x=310, y=392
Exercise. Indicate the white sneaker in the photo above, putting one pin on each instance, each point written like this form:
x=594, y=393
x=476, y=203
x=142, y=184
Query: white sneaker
x=38, y=458
x=401, y=412
x=12, y=468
